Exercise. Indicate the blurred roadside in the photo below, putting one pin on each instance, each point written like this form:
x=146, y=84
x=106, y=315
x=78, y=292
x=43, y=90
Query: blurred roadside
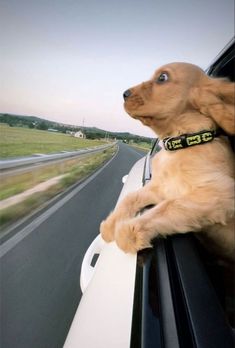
x=24, y=191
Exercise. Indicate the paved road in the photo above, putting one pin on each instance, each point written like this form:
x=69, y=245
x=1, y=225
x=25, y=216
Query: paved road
x=40, y=266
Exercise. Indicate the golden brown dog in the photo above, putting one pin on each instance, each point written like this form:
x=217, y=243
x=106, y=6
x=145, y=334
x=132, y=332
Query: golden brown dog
x=192, y=187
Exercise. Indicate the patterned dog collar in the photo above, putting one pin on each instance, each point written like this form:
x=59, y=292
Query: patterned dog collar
x=187, y=140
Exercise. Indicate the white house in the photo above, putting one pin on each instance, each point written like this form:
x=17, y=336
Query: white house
x=80, y=134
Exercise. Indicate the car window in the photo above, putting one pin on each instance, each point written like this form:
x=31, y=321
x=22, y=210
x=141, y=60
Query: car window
x=222, y=273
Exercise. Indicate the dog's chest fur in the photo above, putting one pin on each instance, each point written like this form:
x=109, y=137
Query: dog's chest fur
x=191, y=171
x=167, y=173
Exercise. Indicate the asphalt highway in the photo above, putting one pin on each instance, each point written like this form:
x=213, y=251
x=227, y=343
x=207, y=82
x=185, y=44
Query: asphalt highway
x=40, y=264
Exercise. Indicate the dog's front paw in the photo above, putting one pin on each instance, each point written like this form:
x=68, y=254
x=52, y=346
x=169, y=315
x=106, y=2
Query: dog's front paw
x=107, y=228
x=130, y=237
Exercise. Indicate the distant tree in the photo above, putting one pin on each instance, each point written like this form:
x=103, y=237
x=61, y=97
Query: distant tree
x=42, y=125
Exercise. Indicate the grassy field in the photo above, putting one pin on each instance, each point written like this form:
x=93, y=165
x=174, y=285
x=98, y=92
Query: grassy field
x=16, y=141
x=143, y=146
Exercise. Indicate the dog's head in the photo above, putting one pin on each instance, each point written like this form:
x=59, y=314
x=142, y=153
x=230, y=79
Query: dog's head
x=181, y=96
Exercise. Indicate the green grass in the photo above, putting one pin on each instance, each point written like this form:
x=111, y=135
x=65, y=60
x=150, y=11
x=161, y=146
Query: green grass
x=16, y=141
x=143, y=146
x=77, y=172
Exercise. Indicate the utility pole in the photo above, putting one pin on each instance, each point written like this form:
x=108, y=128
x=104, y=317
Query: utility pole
x=83, y=130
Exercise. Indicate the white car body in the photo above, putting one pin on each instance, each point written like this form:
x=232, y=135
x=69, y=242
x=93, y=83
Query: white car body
x=104, y=315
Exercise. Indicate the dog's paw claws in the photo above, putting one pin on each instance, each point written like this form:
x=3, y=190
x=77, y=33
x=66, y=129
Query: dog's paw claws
x=130, y=238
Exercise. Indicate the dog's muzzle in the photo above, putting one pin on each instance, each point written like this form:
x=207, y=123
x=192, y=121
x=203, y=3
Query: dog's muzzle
x=126, y=94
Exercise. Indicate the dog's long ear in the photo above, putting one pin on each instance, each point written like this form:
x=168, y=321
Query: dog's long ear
x=215, y=98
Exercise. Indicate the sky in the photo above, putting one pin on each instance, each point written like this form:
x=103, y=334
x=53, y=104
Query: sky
x=71, y=60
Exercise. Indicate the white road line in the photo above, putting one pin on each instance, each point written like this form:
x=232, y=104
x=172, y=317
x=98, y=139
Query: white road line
x=19, y=236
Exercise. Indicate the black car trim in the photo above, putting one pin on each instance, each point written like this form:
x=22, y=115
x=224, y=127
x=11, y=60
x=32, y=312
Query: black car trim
x=208, y=323
x=168, y=321
x=146, y=321
x=223, y=57
x=184, y=329
x=137, y=310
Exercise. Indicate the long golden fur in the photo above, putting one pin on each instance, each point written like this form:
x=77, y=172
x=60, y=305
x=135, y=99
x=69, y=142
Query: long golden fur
x=192, y=189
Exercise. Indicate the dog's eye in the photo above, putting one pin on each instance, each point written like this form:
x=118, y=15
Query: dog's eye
x=162, y=78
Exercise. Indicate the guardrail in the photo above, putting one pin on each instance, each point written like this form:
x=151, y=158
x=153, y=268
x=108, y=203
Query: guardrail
x=12, y=164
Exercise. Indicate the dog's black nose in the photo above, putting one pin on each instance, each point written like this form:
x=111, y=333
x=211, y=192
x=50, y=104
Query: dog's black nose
x=126, y=94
